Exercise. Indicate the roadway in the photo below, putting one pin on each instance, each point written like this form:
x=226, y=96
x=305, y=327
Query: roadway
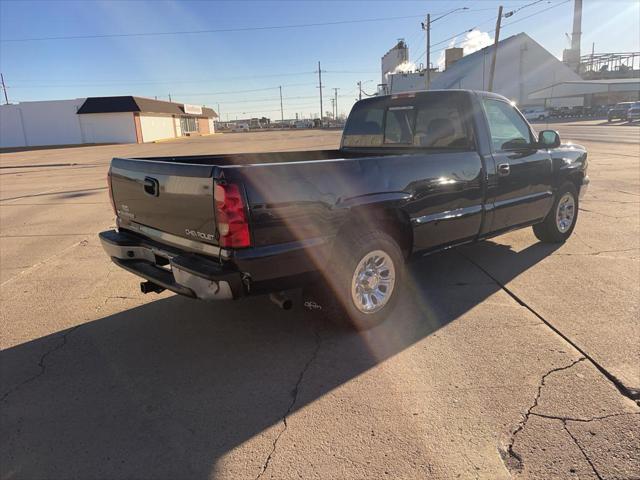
x=508, y=359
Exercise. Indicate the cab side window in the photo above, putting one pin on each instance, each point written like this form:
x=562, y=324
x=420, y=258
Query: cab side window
x=508, y=129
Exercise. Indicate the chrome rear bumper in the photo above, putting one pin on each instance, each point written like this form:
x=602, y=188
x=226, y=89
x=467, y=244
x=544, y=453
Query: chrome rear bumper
x=181, y=272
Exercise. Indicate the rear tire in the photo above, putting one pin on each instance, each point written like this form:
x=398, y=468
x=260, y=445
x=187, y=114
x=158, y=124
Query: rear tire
x=558, y=226
x=362, y=282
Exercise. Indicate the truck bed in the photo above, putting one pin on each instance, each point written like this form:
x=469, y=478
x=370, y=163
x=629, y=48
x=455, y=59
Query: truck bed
x=258, y=158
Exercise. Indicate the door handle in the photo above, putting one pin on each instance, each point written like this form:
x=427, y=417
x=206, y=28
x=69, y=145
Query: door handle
x=503, y=169
x=151, y=186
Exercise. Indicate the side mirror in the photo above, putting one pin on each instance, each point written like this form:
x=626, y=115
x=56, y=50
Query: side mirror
x=548, y=139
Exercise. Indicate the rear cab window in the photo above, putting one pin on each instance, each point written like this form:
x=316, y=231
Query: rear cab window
x=398, y=126
x=434, y=121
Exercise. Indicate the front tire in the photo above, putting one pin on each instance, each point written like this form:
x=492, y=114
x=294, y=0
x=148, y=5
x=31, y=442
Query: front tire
x=362, y=283
x=558, y=226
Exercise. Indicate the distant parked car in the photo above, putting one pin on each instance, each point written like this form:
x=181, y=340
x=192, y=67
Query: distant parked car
x=634, y=112
x=619, y=111
x=240, y=127
x=535, y=113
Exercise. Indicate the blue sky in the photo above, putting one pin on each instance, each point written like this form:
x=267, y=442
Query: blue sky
x=221, y=68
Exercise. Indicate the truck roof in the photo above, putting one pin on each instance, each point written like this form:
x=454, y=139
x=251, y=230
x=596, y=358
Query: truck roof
x=423, y=93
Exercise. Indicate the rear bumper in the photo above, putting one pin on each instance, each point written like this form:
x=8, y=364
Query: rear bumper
x=187, y=274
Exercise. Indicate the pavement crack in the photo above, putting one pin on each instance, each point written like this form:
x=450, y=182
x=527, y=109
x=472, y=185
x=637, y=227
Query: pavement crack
x=512, y=459
x=584, y=454
x=607, y=215
x=595, y=254
x=41, y=363
x=582, y=420
x=294, y=399
x=633, y=394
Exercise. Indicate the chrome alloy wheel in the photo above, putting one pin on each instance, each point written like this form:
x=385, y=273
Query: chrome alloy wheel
x=566, y=212
x=373, y=281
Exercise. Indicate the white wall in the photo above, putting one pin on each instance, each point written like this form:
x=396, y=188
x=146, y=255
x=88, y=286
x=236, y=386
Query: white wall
x=156, y=128
x=108, y=127
x=522, y=66
x=56, y=122
x=176, y=121
x=212, y=126
x=11, y=133
x=40, y=123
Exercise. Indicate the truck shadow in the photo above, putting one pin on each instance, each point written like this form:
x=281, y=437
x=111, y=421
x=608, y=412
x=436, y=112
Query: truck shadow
x=169, y=388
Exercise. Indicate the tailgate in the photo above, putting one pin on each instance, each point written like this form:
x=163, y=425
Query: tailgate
x=175, y=198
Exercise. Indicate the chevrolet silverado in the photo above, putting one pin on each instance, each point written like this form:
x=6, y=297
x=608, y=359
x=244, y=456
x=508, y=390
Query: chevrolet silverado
x=415, y=173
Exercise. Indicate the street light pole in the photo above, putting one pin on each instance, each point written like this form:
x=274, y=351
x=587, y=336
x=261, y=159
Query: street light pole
x=281, y=109
x=320, y=87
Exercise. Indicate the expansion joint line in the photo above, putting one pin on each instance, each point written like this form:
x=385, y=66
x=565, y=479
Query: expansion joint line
x=629, y=393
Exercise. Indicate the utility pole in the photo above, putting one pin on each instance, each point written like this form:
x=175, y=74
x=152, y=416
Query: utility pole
x=169, y=97
x=427, y=26
x=359, y=90
x=281, y=109
x=333, y=107
x=4, y=89
x=495, y=50
x=320, y=83
x=336, y=102
x=428, y=50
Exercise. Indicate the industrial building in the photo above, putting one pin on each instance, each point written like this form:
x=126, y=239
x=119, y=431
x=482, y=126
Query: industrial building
x=525, y=72
x=399, y=75
x=589, y=93
x=121, y=119
x=395, y=57
x=522, y=67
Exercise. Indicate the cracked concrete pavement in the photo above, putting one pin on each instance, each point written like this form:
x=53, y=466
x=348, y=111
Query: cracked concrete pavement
x=506, y=359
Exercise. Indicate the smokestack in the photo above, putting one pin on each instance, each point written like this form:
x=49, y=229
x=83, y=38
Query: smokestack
x=577, y=27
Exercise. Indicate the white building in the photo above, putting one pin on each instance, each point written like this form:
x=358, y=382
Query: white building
x=124, y=119
x=589, y=93
x=522, y=67
x=398, y=55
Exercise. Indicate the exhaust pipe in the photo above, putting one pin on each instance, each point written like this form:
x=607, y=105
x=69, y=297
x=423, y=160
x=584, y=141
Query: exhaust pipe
x=281, y=300
x=148, y=287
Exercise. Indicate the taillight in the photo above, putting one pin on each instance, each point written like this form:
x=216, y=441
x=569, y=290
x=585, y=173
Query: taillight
x=233, y=227
x=113, y=203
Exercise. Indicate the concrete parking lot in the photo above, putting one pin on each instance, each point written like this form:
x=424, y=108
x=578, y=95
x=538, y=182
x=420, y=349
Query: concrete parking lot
x=507, y=359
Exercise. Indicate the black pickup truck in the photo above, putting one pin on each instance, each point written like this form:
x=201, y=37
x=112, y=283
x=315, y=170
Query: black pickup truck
x=415, y=173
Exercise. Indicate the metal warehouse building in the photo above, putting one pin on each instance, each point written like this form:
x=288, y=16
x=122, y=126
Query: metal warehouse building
x=123, y=119
x=591, y=93
x=522, y=66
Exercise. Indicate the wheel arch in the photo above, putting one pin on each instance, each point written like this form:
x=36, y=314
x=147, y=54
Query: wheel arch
x=388, y=218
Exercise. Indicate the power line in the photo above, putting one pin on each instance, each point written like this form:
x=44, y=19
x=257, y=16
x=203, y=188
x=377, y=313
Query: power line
x=170, y=82
x=198, y=32
x=277, y=110
x=493, y=31
x=536, y=13
x=162, y=82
